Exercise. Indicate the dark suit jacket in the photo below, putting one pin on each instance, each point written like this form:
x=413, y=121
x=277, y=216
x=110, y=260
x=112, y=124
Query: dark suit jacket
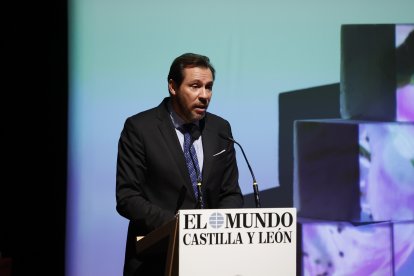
x=151, y=172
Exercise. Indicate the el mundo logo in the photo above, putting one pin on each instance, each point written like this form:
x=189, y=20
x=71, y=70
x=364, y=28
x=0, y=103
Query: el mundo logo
x=216, y=220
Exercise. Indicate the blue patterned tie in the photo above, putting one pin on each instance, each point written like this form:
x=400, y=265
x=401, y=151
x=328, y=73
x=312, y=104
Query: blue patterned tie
x=191, y=158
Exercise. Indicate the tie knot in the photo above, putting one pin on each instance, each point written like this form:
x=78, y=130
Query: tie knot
x=188, y=127
x=192, y=130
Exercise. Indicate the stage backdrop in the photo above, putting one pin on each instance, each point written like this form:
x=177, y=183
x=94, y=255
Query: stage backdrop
x=120, y=53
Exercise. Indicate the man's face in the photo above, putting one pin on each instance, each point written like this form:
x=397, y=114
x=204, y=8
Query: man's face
x=191, y=99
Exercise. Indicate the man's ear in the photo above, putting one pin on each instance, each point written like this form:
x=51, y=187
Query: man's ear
x=172, y=87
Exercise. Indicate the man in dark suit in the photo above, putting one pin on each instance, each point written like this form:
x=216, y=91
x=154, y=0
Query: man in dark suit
x=153, y=180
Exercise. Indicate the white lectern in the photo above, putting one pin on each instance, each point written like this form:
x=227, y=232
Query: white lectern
x=227, y=242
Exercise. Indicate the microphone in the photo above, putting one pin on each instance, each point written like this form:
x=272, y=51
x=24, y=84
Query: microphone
x=255, y=185
x=200, y=204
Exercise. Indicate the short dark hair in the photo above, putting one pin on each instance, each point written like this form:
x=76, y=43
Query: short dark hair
x=188, y=60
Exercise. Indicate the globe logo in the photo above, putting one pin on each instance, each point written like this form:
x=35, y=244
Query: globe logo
x=216, y=220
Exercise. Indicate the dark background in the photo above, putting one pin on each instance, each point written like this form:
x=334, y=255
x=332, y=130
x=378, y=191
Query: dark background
x=34, y=135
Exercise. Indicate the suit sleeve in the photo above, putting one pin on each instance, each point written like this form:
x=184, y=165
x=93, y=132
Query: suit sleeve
x=132, y=203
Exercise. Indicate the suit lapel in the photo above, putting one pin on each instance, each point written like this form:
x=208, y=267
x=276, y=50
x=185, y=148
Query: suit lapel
x=169, y=135
x=208, y=148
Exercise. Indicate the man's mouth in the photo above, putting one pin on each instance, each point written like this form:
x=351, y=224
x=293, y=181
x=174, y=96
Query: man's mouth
x=200, y=108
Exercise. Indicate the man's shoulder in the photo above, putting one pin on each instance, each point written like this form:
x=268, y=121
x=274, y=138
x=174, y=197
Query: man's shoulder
x=215, y=117
x=148, y=115
x=216, y=120
x=143, y=115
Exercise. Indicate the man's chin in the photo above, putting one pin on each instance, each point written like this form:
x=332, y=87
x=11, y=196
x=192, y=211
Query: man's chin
x=198, y=117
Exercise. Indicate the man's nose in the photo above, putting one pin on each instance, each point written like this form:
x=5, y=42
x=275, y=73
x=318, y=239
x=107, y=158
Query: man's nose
x=203, y=93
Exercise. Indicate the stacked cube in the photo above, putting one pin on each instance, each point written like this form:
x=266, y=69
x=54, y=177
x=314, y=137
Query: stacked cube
x=353, y=177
